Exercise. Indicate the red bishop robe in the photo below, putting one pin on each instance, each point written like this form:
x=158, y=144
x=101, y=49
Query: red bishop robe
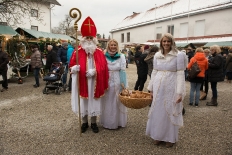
x=102, y=74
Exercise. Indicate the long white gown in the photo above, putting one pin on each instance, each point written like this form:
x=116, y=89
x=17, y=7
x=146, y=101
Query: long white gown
x=167, y=83
x=114, y=113
x=90, y=106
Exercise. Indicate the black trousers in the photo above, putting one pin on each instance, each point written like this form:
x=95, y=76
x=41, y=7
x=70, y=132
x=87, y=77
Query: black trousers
x=140, y=83
x=206, y=83
x=214, y=89
x=4, y=78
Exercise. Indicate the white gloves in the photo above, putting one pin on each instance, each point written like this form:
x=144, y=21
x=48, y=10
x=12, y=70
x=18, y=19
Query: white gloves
x=75, y=69
x=90, y=72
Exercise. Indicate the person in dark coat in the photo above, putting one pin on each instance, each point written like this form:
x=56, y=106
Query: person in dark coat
x=4, y=60
x=149, y=59
x=215, y=72
x=51, y=57
x=142, y=68
x=228, y=66
x=62, y=58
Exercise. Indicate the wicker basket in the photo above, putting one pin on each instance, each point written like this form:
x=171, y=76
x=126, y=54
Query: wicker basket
x=135, y=103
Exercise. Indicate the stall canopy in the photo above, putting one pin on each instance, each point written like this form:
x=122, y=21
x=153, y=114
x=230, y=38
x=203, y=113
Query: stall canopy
x=182, y=44
x=223, y=43
x=7, y=30
x=33, y=34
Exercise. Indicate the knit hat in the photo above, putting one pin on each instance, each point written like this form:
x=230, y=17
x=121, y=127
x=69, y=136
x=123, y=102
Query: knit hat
x=146, y=47
x=64, y=44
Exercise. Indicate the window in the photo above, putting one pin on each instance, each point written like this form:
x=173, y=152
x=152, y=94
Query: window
x=122, y=37
x=34, y=28
x=199, y=28
x=3, y=23
x=183, y=30
x=158, y=32
x=171, y=29
x=34, y=13
x=128, y=37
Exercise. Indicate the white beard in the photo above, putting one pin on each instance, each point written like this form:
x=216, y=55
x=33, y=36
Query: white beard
x=88, y=46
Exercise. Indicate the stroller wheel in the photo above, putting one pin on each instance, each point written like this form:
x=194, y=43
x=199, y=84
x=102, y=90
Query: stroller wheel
x=45, y=91
x=58, y=91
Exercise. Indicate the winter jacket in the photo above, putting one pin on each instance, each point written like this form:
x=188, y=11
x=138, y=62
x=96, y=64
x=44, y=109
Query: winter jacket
x=149, y=61
x=51, y=58
x=3, y=61
x=215, y=71
x=36, y=60
x=190, y=54
x=62, y=55
x=142, y=68
x=201, y=61
x=69, y=52
x=228, y=65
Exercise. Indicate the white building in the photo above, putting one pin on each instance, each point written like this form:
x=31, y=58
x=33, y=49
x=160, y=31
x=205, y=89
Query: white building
x=39, y=11
x=189, y=21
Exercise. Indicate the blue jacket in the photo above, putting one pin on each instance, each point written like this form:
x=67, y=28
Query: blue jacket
x=62, y=55
x=69, y=52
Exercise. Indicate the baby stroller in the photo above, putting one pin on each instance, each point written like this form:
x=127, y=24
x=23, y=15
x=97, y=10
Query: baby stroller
x=54, y=79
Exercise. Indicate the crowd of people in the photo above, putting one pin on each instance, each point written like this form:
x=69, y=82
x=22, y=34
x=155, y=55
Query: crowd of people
x=102, y=76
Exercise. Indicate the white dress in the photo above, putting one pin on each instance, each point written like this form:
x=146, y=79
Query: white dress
x=90, y=106
x=168, y=84
x=114, y=113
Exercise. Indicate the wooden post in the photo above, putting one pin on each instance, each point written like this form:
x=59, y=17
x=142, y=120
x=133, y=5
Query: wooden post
x=74, y=15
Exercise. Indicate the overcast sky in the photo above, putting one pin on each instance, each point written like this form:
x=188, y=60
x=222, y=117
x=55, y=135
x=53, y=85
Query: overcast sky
x=105, y=13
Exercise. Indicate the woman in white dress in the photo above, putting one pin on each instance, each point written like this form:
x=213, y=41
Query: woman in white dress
x=114, y=113
x=167, y=86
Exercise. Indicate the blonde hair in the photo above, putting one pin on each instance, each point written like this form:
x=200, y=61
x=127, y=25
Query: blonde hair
x=216, y=48
x=108, y=45
x=199, y=50
x=170, y=37
x=206, y=50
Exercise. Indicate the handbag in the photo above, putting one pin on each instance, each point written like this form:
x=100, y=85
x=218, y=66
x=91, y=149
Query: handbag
x=194, y=70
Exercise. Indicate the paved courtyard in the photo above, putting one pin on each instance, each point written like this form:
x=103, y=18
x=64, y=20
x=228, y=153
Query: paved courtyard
x=32, y=123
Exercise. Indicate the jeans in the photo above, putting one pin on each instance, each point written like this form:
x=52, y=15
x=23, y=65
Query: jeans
x=140, y=83
x=214, y=89
x=195, y=87
x=64, y=78
x=36, y=75
x=4, y=78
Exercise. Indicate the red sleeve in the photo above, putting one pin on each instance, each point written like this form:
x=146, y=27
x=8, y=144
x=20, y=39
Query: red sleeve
x=73, y=59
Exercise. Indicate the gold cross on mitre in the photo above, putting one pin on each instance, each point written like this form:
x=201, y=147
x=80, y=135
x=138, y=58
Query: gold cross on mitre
x=89, y=26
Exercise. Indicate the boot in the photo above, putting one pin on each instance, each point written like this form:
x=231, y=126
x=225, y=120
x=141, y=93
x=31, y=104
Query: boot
x=203, y=95
x=213, y=102
x=204, y=98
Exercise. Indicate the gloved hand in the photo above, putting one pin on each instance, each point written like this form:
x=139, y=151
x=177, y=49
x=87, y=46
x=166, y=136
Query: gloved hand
x=75, y=69
x=90, y=72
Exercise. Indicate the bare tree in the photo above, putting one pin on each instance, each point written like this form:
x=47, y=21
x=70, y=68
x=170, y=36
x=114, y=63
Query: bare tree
x=65, y=27
x=13, y=12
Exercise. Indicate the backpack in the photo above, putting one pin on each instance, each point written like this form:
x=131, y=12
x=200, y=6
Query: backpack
x=194, y=70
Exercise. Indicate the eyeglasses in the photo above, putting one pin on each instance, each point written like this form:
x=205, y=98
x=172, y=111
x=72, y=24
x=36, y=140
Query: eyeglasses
x=89, y=37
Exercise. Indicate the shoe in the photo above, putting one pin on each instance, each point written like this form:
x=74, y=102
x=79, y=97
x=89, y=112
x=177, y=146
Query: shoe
x=84, y=127
x=168, y=144
x=35, y=85
x=157, y=142
x=190, y=103
x=213, y=102
x=196, y=104
x=94, y=127
x=4, y=89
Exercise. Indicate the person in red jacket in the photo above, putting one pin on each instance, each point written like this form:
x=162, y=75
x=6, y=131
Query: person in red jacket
x=93, y=76
x=202, y=62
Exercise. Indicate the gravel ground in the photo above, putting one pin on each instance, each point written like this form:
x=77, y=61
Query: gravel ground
x=33, y=123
